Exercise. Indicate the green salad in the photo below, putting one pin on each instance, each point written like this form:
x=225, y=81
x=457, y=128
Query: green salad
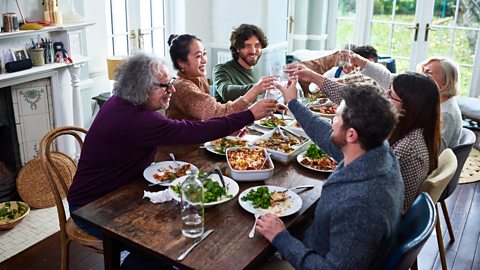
x=260, y=197
x=212, y=190
x=7, y=213
x=314, y=152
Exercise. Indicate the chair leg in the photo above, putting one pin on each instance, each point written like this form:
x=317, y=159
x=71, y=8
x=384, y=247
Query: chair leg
x=414, y=265
x=447, y=220
x=65, y=255
x=441, y=248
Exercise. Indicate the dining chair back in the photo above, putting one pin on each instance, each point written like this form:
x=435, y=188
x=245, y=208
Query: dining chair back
x=462, y=151
x=69, y=231
x=434, y=185
x=413, y=231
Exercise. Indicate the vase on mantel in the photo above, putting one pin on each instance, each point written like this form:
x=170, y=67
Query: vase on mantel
x=71, y=15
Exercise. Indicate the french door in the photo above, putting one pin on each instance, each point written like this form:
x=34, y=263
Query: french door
x=411, y=31
x=136, y=25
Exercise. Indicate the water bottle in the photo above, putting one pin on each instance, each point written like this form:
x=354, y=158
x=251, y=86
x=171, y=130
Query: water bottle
x=192, y=206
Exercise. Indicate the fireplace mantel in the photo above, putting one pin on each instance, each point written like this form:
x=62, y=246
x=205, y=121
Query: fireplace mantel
x=64, y=88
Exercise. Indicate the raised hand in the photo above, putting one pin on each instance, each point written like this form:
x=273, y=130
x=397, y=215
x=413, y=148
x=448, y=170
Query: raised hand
x=289, y=93
x=262, y=108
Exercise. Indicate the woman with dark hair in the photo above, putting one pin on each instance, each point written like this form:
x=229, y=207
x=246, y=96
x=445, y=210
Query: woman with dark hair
x=416, y=139
x=192, y=100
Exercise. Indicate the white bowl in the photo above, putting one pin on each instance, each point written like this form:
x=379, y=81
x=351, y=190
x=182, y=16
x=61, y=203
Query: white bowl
x=281, y=156
x=250, y=175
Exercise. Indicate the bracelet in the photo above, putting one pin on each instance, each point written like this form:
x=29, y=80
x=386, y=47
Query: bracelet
x=245, y=100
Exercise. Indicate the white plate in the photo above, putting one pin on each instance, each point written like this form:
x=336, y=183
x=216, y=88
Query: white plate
x=211, y=148
x=232, y=188
x=288, y=119
x=299, y=159
x=294, y=202
x=169, y=165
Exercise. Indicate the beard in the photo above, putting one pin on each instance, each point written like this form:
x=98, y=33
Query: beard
x=246, y=60
x=338, y=140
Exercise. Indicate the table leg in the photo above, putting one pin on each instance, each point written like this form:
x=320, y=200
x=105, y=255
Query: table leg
x=111, y=253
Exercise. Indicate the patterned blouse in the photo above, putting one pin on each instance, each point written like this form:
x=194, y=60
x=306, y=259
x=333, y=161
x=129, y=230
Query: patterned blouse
x=412, y=154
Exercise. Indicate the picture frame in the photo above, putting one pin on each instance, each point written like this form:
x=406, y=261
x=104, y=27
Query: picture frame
x=19, y=54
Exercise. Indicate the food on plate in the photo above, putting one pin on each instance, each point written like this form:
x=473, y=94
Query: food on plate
x=222, y=144
x=324, y=109
x=317, y=159
x=212, y=190
x=277, y=143
x=171, y=173
x=272, y=121
x=273, y=202
x=248, y=159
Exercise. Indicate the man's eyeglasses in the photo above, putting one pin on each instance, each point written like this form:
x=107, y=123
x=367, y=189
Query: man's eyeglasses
x=390, y=96
x=166, y=85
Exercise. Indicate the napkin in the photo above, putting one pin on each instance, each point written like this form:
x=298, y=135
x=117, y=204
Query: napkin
x=158, y=197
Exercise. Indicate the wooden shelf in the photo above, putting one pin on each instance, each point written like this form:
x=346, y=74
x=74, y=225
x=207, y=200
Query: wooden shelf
x=48, y=29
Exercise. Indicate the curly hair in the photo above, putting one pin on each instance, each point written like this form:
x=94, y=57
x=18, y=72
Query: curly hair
x=366, y=51
x=369, y=112
x=137, y=77
x=180, y=48
x=241, y=34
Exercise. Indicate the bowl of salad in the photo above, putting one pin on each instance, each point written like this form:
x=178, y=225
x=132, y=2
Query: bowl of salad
x=12, y=213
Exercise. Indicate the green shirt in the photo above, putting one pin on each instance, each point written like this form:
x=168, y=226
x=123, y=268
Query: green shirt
x=231, y=80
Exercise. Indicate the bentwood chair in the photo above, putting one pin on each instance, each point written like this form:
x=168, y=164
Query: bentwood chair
x=413, y=231
x=69, y=231
x=434, y=185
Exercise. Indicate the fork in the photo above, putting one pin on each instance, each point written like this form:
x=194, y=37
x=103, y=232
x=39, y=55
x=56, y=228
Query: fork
x=252, y=231
x=172, y=156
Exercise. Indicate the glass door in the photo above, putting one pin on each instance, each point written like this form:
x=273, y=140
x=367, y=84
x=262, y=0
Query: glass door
x=136, y=25
x=411, y=31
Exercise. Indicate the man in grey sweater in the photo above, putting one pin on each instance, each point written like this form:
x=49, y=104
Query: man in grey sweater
x=357, y=215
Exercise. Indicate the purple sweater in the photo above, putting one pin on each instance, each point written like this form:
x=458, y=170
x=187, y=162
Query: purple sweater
x=122, y=141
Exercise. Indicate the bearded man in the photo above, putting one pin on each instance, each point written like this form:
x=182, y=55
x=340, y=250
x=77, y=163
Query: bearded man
x=234, y=78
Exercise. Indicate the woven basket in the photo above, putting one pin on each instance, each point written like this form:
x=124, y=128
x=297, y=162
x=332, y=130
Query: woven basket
x=32, y=183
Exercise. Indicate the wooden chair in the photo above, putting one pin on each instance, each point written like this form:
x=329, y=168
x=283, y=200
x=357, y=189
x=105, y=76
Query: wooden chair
x=413, y=231
x=69, y=231
x=434, y=185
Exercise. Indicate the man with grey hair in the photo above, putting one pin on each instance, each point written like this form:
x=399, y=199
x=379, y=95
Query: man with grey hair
x=124, y=136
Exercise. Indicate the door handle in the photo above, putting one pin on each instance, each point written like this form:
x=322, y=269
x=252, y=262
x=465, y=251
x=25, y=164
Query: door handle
x=290, y=24
x=417, y=25
x=427, y=28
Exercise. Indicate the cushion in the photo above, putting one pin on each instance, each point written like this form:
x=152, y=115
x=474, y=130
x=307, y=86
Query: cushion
x=470, y=107
x=319, y=65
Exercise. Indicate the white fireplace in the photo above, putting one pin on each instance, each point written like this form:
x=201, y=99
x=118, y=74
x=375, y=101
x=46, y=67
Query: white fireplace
x=48, y=96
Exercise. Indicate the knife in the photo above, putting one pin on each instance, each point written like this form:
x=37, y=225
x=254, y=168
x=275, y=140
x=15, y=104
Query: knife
x=185, y=253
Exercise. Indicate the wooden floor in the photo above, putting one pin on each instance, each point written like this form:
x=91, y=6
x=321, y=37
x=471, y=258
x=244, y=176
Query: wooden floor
x=463, y=253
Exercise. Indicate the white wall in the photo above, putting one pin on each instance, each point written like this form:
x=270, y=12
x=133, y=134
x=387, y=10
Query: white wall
x=213, y=21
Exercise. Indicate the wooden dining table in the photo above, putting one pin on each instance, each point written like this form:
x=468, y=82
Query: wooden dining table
x=130, y=221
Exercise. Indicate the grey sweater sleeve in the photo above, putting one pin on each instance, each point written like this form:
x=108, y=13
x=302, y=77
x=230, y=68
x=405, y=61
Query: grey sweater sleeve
x=379, y=73
x=317, y=129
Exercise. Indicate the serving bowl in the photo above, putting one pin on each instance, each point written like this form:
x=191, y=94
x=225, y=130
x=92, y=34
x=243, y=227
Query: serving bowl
x=277, y=147
x=12, y=213
x=255, y=157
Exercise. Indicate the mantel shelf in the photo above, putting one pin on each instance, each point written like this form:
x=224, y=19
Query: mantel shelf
x=47, y=29
x=5, y=77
